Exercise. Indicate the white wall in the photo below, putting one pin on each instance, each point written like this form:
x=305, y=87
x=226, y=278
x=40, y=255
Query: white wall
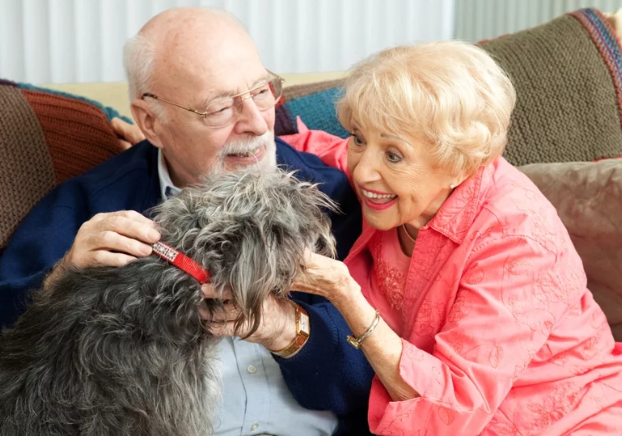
x=64, y=41
x=485, y=19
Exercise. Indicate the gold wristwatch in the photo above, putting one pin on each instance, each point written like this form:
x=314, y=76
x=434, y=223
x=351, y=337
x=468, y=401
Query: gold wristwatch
x=303, y=330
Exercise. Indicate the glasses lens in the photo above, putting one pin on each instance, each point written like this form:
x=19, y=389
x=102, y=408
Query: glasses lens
x=221, y=114
x=276, y=85
x=225, y=112
x=267, y=94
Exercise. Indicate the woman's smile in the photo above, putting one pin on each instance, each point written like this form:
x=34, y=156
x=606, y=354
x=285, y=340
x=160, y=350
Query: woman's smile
x=377, y=200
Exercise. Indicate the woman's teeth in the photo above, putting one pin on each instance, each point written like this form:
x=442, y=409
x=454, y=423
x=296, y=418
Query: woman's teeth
x=378, y=196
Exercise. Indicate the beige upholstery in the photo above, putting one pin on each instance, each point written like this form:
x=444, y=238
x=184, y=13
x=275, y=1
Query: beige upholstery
x=588, y=199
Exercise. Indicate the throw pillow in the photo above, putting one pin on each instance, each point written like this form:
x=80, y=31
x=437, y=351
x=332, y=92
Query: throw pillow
x=588, y=199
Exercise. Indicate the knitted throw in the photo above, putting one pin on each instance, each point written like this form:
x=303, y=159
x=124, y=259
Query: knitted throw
x=26, y=171
x=567, y=77
x=45, y=138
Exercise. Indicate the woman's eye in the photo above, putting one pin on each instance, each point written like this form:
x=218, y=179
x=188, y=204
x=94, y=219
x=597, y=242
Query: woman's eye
x=356, y=139
x=393, y=157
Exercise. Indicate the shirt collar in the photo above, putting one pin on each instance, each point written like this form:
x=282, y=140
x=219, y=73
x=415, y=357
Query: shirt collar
x=167, y=188
x=456, y=215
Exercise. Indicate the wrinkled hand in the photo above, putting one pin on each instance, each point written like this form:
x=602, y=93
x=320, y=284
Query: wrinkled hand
x=112, y=239
x=108, y=239
x=277, y=328
x=326, y=277
x=128, y=134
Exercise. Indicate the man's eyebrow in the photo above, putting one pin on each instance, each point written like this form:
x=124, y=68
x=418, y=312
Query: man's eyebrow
x=205, y=102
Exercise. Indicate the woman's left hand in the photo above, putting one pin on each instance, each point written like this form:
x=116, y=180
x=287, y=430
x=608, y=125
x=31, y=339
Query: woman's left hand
x=128, y=134
x=325, y=277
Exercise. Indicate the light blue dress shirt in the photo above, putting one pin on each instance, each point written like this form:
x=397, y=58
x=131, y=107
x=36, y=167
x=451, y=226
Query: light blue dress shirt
x=256, y=400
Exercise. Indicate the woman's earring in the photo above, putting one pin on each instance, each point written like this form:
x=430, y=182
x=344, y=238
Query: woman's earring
x=452, y=186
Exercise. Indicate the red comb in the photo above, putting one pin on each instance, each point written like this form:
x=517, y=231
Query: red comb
x=181, y=261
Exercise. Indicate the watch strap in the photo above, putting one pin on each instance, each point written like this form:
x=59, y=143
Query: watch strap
x=303, y=330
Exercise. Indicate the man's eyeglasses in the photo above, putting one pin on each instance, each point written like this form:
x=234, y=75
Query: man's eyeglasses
x=226, y=110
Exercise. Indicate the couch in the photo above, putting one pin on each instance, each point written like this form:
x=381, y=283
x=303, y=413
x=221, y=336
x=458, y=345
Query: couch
x=566, y=133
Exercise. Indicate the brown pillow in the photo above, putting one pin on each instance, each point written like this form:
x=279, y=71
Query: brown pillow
x=588, y=198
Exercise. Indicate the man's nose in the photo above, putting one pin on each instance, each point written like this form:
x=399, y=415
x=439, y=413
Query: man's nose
x=251, y=119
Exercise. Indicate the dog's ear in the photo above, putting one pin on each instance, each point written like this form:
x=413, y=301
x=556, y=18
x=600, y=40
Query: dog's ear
x=287, y=219
x=255, y=273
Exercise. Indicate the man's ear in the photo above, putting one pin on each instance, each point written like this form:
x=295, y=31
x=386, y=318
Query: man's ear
x=147, y=121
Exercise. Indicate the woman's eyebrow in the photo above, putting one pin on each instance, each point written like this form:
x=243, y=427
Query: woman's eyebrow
x=399, y=138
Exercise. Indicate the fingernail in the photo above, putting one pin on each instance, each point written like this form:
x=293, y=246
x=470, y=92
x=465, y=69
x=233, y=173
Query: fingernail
x=153, y=234
x=145, y=249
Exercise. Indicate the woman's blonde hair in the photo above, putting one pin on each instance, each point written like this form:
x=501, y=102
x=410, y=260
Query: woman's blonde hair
x=449, y=94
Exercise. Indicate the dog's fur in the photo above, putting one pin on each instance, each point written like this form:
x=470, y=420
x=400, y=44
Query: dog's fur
x=122, y=351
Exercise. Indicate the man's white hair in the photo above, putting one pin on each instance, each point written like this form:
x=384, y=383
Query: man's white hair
x=138, y=59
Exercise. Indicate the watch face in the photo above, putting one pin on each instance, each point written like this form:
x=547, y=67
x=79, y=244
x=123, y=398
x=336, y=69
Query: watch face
x=304, y=323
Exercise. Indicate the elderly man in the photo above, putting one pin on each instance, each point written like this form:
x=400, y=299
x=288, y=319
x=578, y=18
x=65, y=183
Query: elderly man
x=204, y=102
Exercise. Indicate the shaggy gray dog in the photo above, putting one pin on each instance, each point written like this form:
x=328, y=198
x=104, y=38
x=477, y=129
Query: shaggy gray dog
x=122, y=351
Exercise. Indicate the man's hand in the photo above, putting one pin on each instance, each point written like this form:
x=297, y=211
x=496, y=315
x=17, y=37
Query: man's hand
x=109, y=239
x=277, y=328
x=128, y=134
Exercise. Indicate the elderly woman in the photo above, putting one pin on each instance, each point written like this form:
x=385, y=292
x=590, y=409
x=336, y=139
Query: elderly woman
x=464, y=290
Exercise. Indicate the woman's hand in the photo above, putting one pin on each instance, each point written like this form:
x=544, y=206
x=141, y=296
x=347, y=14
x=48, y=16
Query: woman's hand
x=326, y=277
x=331, y=279
x=128, y=134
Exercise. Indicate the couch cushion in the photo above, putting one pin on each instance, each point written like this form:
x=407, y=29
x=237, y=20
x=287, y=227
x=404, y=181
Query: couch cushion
x=588, y=199
x=314, y=103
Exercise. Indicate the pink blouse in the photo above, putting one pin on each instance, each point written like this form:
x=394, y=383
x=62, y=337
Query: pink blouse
x=500, y=334
x=388, y=277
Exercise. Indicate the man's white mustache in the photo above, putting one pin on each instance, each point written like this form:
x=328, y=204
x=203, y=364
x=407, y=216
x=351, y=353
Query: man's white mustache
x=244, y=146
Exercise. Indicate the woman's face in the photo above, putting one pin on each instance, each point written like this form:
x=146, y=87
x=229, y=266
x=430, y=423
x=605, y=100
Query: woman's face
x=396, y=178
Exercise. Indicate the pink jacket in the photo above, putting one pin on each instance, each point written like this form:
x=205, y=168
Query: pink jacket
x=500, y=334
